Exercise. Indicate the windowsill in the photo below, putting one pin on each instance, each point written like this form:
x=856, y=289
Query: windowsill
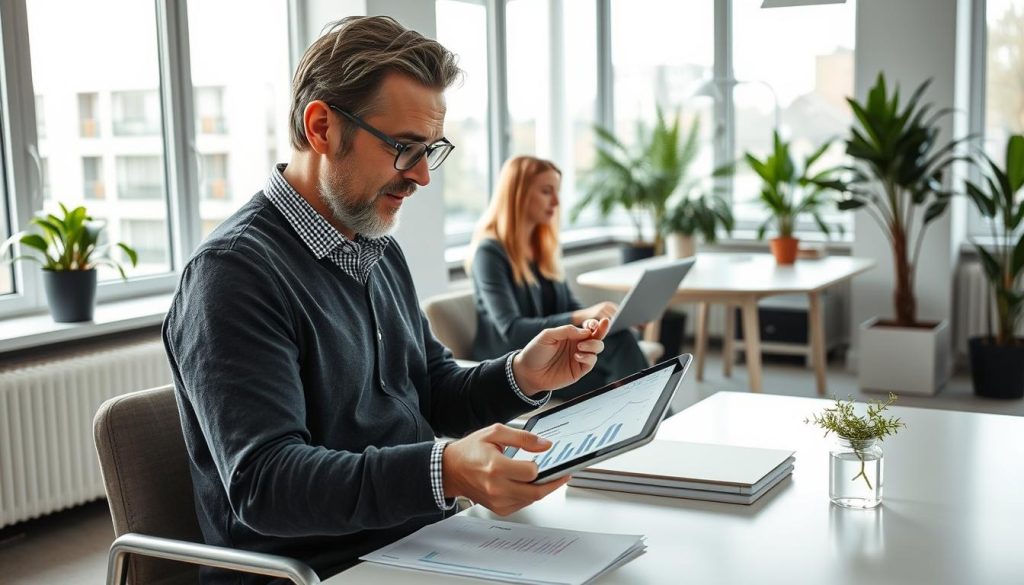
x=111, y=317
x=745, y=240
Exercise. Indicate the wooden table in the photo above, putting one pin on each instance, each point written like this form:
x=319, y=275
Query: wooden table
x=742, y=280
x=951, y=512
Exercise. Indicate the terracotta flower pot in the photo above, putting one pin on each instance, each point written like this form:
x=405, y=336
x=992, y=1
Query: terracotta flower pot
x=784, y=249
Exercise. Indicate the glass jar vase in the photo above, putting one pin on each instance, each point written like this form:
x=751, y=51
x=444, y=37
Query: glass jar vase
x=855, y=473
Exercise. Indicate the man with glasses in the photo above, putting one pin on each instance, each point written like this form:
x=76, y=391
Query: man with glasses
x=309, y=385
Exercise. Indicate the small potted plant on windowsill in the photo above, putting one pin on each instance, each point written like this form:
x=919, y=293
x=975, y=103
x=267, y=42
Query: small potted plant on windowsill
x=855, y=464
x=71, y=251
x=691, y=215
x=641, y=179
x=789, y=190
x=997, y=360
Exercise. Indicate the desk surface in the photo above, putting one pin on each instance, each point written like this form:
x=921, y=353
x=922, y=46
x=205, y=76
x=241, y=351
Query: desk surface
x=952, y=511
x=739, y=273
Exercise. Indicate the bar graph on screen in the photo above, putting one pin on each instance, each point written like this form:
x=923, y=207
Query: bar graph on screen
x=598, y=422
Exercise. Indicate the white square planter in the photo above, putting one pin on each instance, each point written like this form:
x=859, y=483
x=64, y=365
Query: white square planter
x=904, y=359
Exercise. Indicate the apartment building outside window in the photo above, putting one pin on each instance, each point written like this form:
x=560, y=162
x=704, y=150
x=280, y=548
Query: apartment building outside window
x=89, y=115
x=92, y=178
x=136, y=112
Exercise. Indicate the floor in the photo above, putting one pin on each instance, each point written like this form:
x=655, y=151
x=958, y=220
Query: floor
x=70, y=547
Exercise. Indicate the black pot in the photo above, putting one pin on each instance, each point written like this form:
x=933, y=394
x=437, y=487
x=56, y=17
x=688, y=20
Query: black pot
x=71, y=294
x=634, y=252
x=997, y=371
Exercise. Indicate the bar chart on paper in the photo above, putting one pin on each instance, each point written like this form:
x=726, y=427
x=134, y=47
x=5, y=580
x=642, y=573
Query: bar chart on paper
x=598, y=422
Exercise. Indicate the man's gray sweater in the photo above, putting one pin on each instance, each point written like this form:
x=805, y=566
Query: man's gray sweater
x=310, y=401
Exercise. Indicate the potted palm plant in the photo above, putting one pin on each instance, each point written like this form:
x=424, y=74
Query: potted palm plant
x=997, y=359
x=640, y=179
x=70, y=249
x=789, y=190
x=694, y=213
x=899, y=166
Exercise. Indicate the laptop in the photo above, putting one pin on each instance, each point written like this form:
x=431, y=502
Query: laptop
x=647, y=300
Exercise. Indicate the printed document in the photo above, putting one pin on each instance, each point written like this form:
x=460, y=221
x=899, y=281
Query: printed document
x=505, y=551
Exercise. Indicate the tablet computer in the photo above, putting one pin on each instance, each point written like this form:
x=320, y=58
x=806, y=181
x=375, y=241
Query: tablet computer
x=605, y=422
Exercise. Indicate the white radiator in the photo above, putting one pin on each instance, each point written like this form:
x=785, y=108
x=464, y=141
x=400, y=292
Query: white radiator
x=47, y=458
x=973, y=301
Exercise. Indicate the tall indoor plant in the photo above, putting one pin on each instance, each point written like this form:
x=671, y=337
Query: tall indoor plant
x=71, y=250
x=899, y=166
x=997, y=360
x=789, y=190
x=640, y=179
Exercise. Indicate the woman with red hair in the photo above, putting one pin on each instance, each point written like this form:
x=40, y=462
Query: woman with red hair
x=517, y=277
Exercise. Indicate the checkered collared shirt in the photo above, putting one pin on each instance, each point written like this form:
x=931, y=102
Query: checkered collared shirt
x=355, y=257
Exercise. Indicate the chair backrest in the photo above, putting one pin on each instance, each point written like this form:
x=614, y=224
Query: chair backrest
x=146, y=475
x=452, y=318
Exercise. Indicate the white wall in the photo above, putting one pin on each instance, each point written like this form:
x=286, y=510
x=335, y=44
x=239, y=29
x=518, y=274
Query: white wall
x=910, y=40
x=421, y=223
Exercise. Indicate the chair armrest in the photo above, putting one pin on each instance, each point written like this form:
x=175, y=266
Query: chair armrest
x=204, y=554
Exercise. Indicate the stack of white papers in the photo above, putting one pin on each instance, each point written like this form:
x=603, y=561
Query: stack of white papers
x=505, y=551
x=721, y=473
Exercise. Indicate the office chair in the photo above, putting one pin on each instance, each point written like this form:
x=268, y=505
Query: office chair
x=452, y=318
x=149, y=488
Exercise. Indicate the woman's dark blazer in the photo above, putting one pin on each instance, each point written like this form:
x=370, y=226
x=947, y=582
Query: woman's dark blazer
x=509, y=315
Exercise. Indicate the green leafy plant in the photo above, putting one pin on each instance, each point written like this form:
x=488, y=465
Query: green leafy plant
x=997, y=200
x=699, y=214
x=68, y=242
x=860, y=430
x=789, y=190
x=641, y=178
x=899, y=167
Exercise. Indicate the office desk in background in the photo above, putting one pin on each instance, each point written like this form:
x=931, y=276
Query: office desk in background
x=742, y=280
x=952, y=511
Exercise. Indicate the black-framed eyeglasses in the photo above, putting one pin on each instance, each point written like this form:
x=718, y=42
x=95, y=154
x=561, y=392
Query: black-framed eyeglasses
x=409, y=153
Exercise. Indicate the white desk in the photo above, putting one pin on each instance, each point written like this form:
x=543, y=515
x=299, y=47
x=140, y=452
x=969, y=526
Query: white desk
x=742, y=280
x=952, y=510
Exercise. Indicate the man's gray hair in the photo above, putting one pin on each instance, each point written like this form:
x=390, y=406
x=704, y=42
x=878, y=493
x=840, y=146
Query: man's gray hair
x=346, y=66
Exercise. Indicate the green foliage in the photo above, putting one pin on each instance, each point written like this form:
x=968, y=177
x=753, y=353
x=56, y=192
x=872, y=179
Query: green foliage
x=997, y=200
x=642, y=178
x=789, y=190
x=67, y=242
x=843, y=420
x=860, y=431
x=899, y=167
x=699, y=214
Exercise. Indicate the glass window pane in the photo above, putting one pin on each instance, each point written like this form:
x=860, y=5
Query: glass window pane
x=103, y=142
x=241, y=93
x=794, y=64
x=666, y=61
x=462, y=28
x=6, y=269
x=1004, y=109
x=554, y=122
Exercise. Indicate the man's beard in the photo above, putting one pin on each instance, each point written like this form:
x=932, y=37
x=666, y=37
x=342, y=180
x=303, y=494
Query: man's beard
x=362, y=217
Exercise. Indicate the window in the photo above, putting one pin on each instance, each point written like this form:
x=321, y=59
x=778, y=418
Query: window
x=139, y=177
x=794, y=65
x=241, y=95
x=215, y=176
x=88, y=115
x=210, y=110
x=44, y=177
x=552, y=81
x=462, y=28
x=6, y=270
x=92, y=178
x=136, y=113
x=148, y=239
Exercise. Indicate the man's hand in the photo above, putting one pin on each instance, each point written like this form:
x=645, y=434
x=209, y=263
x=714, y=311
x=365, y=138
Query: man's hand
x=598, y=311
x=559, y=356
x=476, y=467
